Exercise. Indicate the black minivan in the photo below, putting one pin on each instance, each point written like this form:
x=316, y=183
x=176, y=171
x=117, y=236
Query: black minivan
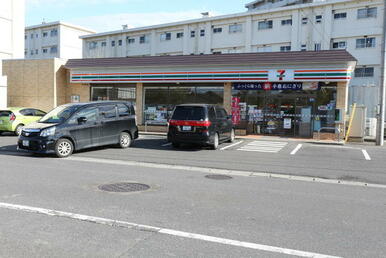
x=202, y=124
x=81, y=125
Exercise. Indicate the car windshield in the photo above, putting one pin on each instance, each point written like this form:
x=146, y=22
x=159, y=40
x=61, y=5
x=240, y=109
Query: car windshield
x=59, y=114
x=189, y=113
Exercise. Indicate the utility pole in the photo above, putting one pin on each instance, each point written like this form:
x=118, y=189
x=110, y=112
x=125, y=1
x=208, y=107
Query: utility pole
x=381, y=117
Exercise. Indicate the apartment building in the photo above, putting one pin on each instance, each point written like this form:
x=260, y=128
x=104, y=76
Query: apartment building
x=11, y=39
x=267, y=26
x=54, y=39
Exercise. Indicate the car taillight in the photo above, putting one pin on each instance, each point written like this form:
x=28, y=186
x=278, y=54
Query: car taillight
x=12, y=117
x=189, y=123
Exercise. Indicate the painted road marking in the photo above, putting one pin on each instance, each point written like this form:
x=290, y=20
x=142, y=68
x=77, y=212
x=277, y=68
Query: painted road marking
x=296, y=149
x=223, y=171
x=264, y=146
x=165, y=231
x=232, y=145
x=166, y=144
x=367, y=156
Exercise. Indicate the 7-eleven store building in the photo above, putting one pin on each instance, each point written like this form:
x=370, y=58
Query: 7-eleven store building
x=286, y=93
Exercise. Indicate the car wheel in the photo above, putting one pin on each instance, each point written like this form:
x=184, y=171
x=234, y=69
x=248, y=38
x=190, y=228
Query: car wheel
x=18, y=129
x=215, y=142
x=63, y=148
x=232, y=138
x=125, y=140
x=175, y=144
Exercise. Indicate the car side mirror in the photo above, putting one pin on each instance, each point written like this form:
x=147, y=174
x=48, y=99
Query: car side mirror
x=82, y=120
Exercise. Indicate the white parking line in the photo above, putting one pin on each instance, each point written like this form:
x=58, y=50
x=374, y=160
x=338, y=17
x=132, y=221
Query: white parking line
x=296, y=149
x=166, y=144
x=165, y=231
x=367, y=156
x=232, y=145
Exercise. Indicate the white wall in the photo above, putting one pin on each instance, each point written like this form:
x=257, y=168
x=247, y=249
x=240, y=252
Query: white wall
x=12, y=42
x=251, y=39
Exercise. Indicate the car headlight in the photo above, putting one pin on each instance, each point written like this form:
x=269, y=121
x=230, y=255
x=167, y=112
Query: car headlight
x=48, y=132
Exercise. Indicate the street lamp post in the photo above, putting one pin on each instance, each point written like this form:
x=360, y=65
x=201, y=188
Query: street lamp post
x=381, y=117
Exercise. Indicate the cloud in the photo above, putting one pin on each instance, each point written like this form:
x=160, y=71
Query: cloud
x=112, y=22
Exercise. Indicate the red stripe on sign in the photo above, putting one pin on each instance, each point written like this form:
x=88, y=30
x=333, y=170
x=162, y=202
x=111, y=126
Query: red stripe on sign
x=193, y=79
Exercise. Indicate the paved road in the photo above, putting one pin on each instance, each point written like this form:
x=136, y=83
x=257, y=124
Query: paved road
x=314, y=160
x=277, y=215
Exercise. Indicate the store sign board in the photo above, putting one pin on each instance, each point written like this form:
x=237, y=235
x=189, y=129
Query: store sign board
x=268, y=86
x=267, y=75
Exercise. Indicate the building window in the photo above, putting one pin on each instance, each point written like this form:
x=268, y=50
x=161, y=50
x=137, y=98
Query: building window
x=318, y=46
x=235, y=28
x=318, y=18
x=216, y=52
x=37, y=35
x=45, y=50
x=217, y=30
x=264, y=49
x=103, y=44
x=92, y=45
x=143, y=39
x=32, y=36
x=365, y=43
x=25, y=52
x=130, y=40
x=192, y=33
x=340, y=16
x=32, y=52
x=180, y=35
x=54, y=50
x=202, y=33
x=113, y=43
x=303, y=47
x=166, y=36
x=339, y=45
x=367, y=12
x=45, y=34
x=304, y=20
x=25, y=37
x=285, y=48
x=120, y=42
x=263, y=25
x=286, y=22
x=364, y=72
x=54, y=33
x=36, y=51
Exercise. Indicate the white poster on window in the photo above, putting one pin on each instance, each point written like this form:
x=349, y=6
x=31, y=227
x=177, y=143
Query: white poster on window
x=287, y=123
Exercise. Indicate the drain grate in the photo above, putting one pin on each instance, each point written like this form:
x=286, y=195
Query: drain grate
x=218, y=177
x=124, y=187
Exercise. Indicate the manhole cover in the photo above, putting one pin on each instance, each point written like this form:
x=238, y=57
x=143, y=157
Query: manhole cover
x=218, y=177
x=124, y=187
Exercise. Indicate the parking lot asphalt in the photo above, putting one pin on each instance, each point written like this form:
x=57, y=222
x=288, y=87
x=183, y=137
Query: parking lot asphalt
x=352, y=162
x=280, y=215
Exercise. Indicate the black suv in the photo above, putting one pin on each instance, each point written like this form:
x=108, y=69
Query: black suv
x=202, y=124
x=82, y=125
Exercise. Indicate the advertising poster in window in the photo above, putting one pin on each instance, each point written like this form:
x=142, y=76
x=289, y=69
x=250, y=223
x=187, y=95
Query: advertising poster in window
x=236, y=116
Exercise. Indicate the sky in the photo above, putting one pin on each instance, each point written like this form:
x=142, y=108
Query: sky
x=109, y=15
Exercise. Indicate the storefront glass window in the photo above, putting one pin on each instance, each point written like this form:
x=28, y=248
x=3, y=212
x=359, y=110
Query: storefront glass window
x=161, y=100
x=125, y=93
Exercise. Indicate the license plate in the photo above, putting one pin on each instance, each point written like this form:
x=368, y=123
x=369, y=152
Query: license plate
x=25, y=143
x=186, y=128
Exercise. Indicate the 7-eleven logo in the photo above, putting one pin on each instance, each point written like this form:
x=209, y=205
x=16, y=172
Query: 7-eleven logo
x=281, y=74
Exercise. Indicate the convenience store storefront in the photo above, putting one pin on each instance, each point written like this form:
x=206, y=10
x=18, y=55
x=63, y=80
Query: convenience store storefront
x=288, y=94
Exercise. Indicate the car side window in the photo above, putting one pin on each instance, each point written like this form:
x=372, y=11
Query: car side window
x=211, y=114
x=38, y=112
x=123, y=110
x=88, y=115
x=220, y=113
x=108, y=112
x=27, y=112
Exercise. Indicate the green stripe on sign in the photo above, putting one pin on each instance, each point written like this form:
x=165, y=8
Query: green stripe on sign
x=320, y=74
